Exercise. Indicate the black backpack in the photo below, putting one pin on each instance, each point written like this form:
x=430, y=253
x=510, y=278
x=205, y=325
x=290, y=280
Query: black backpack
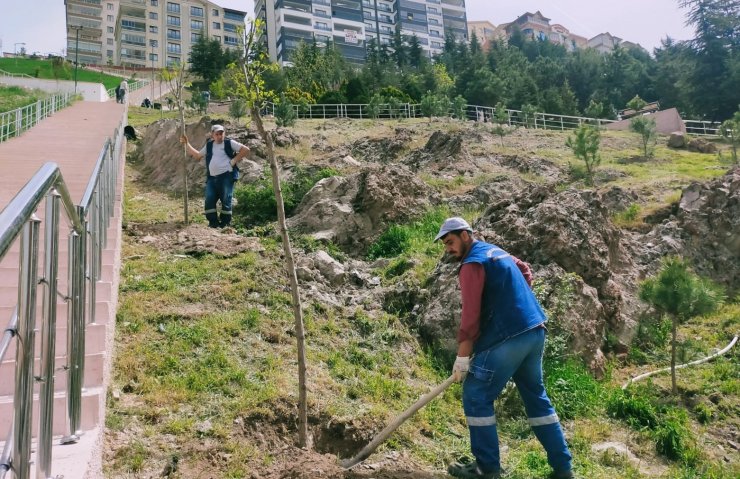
x=229, y=152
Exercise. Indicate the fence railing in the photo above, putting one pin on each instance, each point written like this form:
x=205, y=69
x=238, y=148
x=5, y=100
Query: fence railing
x=89, y=222
x=479, y=113
x=8, y=74
x=131, y=87
x=15, y=122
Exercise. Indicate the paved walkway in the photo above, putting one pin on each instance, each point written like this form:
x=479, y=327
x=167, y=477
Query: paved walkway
x=72, y=138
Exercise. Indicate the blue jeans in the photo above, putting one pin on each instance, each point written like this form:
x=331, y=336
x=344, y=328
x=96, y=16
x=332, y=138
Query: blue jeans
x=219, y=188
x=518, y=358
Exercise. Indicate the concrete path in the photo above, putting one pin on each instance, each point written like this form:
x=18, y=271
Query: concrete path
x=73, y=138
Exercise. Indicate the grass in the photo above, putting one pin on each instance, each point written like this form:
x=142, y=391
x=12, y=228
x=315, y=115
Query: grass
x=208, y=341
x=13, y=97
x=44, y=69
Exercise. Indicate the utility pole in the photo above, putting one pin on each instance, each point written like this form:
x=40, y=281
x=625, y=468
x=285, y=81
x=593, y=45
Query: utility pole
x=151, y=57
x=77, y=29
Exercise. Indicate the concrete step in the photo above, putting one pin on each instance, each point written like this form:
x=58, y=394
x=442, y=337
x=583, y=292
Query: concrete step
x=93, y=373
x=91, y=403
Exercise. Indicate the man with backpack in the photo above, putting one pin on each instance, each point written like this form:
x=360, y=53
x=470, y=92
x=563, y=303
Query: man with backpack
x=222, y=156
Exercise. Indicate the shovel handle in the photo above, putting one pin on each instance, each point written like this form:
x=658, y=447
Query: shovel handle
x=400, y=419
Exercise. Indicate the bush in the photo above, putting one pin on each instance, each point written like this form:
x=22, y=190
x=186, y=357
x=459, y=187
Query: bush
x=633, y=408
x=256, y=202
x=574, y=392
x=394, y=241
x=284, y=113
x=672, y=437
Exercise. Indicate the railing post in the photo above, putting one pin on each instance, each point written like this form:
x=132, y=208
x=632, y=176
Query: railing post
x=48, y=335
x=94, y=251
x=18, y=122
x=24, y=356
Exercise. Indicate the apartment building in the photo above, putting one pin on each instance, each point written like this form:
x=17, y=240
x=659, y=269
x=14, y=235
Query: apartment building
x=351, y=24
x=146, y=33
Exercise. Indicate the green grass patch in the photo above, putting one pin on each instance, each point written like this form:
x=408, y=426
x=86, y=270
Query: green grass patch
x=55, y=70
x=14, y=97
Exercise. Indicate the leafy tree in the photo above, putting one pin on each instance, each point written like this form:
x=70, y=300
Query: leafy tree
x=254, y=64
x=595, y=109
x=679, y=293
x=355, y=91
x=416, y=53
x=636, y=103
x=375, y=105
x=585, y=145
x=434, y=105
x=238, y=109
x=400, y=50
x=209, y=59
x=459, y=107
x=501, y=122
x=730, y=131
x=284, y=112
x=528, y=115
x=645, y=127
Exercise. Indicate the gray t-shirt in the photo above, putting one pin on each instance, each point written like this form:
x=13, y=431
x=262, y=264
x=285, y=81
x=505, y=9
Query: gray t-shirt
x=220, y=162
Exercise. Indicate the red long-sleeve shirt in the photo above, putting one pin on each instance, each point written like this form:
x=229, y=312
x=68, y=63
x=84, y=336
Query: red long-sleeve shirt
x=472, y=278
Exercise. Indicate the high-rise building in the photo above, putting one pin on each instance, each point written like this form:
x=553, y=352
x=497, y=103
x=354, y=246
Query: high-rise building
x=351, y=24
x=146, y=33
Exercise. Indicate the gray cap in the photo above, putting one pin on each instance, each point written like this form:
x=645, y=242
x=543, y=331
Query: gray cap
x=453, y=224
x=216, y=128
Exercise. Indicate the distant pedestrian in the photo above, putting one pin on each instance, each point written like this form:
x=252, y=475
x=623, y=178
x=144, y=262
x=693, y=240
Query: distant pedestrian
x=118, y=93
x=124, y=90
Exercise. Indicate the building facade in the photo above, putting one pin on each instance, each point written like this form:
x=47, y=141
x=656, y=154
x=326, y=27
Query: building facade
x=351, y=24
x=146, y=33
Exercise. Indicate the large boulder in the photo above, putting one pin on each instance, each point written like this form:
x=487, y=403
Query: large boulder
x=353, y=211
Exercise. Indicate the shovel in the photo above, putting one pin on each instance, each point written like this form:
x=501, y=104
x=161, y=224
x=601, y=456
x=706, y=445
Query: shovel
x=383, y=435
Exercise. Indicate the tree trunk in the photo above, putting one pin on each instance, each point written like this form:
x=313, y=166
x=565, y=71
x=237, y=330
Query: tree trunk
x=674, y=328
x=184, y=169
x=290, y=270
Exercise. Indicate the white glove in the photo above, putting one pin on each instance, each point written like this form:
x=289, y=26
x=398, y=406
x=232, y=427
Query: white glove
x=460, y=368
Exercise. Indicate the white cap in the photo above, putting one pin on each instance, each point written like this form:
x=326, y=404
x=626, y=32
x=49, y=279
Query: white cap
x=216, y=128
x=453, y=224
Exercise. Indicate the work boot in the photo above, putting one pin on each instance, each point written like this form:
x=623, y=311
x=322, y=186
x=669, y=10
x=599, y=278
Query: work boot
x=470, y=470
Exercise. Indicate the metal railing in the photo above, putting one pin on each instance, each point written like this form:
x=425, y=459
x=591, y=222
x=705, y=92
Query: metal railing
x=15, y=122
x=131, y=87
x=537, y=120
x=15, y=75
x=88, y=222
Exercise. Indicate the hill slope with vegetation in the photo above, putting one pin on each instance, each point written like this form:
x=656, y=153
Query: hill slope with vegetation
x=205, y=374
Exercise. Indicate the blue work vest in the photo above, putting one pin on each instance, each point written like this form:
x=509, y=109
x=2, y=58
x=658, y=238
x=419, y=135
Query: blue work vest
x=229, y=152
x=508, y=306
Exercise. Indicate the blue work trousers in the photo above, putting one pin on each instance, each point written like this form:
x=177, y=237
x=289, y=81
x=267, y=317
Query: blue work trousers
x=518, y=358
x=219, y=188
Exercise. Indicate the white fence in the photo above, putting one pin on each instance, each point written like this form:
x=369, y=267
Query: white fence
x=15, y=122
x=538, y=120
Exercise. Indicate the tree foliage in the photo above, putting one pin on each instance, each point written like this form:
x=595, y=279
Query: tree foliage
x=730, y=131
x=585, y=144
x=646, y=128
x=209, y=59
x=679, y=293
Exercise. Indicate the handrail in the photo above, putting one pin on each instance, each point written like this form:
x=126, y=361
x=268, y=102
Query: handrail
x=88, y=222
x=14, y=75
x=15, y=122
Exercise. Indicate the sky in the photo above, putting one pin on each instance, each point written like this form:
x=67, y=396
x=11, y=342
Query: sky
x=40, y=24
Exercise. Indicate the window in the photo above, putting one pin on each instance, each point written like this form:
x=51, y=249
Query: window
x=175, y=21
x=153, y=57
x=153, y=43
x=228, y=27
x=173, y=61
x=196, y=11
x=109, y=6
x=173, y=34
x=173, y=7
x=410, y=16
x=214, y=12
x=153, y=29
x=154, y=3
x=109, y=41
x=217, y=38
x=109, y=53
x=110, y=29
x=174, y=48
x=436, y=45
x=216, y=26
x=153, y=15
x=195, y=37
x=231, y=40
x=196, y=25
x=109, y=18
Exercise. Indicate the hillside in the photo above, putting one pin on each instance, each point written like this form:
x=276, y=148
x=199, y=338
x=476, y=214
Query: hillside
x=205, y=371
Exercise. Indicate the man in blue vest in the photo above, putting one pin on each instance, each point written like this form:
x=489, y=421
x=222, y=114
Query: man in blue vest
x=501, y=337
x=222, y=156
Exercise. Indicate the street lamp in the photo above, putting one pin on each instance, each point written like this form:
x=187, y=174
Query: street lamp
x=151, y=57
x=15, y=51
x=77, y=29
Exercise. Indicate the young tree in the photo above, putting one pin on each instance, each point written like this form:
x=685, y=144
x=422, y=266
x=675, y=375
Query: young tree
x=636, y=103
x=238, y=109
x=459, y=107
x=679, y=293
x=585, y=146
x=375, y=106
x=433, y=105
x=501, y=122
x=177, y=78
x=645, y=127
x=730, y=131
x=284, y=112
x=528, y=115
x=254, y=63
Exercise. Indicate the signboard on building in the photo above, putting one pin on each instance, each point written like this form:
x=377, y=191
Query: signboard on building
x=350, y=36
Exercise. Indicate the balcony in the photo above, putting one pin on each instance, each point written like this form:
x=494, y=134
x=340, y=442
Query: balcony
x=325, y=28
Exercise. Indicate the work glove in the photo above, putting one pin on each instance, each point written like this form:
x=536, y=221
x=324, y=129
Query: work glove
x=460, y=368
